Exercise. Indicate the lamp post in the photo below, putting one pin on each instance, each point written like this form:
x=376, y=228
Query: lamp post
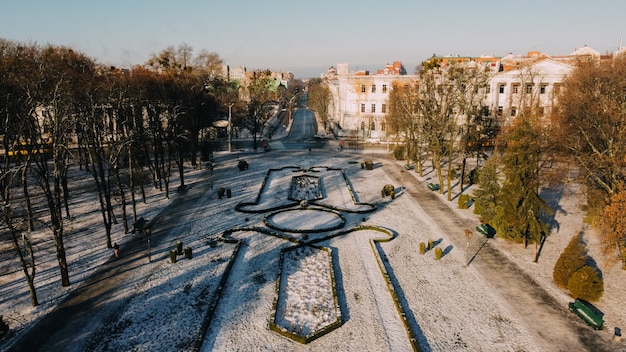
x=230, y=109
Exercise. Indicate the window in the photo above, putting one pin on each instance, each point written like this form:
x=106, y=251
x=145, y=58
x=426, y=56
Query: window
x=529, y=88
x=362, y=88
x=500, y=110
x=362, y=125
x=383, y=108
x=542, y=89
x=557, y=89
x=513, y=111
x=373, y=126
x=373, y=88
x=487, y=89
x=382, y=126
x=373, y=107
x=384, y=88
x=515, y=88
x=501, y=88
x=362, y=107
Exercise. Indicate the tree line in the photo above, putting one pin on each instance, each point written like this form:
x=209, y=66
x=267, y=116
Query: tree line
x=442, y=118
x=127, y=128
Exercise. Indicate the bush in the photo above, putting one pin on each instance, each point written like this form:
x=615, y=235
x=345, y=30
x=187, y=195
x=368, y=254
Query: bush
x=438, y=253
x=387, y=190
x=586, y=284
x=367, y=164
x=173, y=256
x=430, y=244
x=220, y=192
x=452, y=173
x=571, y=260
x=464, y=201
x=399, y=152
x=422, y=247
x=242, y=165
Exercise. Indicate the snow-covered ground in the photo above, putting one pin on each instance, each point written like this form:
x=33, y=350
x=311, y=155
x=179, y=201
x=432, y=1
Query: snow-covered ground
x=232, y=283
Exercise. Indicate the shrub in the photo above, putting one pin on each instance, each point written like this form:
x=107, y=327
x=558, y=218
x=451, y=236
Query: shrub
x=438, y=253
x=220, y=192
x=387, y=190
x=586, y=284
x=399, y=152
x=571, y=260
x=430, y=244
x=452, y=173
x=173, y=256
x=422, y=247
x=464, y=201
x=229, y=193
x=392, y=194
x=369, y=164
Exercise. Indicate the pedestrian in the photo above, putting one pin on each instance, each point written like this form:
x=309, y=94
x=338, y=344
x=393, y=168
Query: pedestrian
x=116, y=250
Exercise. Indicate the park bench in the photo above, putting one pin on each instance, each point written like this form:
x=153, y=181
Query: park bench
x=409, y=166
x=433, y=186
x=486, y=230
x=586, y=314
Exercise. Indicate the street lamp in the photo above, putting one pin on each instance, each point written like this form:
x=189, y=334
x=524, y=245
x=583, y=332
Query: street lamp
x=230, y=112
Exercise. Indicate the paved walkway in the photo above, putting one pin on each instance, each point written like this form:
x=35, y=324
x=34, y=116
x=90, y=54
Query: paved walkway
x=551, y=321
x=67, y=323
x=544, y=315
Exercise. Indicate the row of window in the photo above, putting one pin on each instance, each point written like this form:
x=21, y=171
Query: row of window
x=529, y=87
x=383, y=108
x=364, y=88
x=372, y=126
x=540, y=110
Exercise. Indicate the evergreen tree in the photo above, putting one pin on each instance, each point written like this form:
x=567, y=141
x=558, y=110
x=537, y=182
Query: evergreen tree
x=519, y=209
x=486, y=195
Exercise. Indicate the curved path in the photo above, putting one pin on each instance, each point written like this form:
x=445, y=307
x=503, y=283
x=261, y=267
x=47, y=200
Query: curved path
x=552, y=322
x=547, y=318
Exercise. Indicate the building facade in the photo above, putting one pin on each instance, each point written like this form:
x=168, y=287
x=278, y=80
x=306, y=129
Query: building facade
x=359, y=100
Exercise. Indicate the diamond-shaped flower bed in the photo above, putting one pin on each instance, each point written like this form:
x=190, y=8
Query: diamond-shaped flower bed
x=306, y=306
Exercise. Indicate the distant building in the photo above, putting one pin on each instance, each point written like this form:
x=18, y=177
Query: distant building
x=359, y=100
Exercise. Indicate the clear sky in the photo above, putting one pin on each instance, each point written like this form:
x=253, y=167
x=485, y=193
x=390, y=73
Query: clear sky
x=308, y=36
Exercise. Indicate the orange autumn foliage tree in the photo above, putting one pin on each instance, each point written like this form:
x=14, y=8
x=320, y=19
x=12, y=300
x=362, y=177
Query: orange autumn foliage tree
x=612, y=226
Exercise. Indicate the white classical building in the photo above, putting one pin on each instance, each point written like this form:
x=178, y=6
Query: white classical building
x=359, y=100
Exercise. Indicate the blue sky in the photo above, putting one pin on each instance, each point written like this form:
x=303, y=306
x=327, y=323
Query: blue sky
x=307, y=37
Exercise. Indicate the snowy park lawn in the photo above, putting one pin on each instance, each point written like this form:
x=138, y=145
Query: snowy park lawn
x=246, y=275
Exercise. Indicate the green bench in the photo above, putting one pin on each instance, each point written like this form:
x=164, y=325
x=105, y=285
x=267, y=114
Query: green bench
x=486, y=230
x=409, y=166
x=433, y=186
x=586, y=314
